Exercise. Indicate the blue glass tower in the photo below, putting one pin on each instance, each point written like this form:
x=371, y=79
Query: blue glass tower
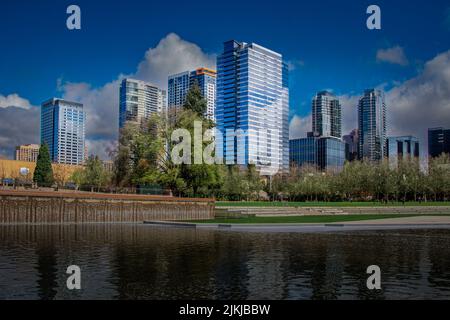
x=253, y=107
x=179, y=85
x=324, y=153
x=63, y=130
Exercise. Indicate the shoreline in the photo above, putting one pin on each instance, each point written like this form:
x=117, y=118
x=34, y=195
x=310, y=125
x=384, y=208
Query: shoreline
x=410, y=223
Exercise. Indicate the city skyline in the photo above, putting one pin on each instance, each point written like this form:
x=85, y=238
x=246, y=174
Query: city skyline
x=389, y=58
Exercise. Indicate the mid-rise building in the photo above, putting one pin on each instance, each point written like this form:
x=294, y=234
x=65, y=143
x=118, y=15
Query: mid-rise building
x=139, y=100
x=324, y=153
x=351, y=145
x=253, y=107
x=27, y=152
x=438, y=141
x=372, y=126
x=179, y=85
x=326, y=115
x=402, y=148
x=63, y=130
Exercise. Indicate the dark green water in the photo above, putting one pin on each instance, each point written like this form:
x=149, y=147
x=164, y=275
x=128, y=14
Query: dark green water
x=144, y=262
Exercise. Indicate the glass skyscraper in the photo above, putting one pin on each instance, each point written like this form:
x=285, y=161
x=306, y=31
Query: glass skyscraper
x=324, y=153
x=253, y=107
x=139, y=100
x=372, y=126
x=63, y=130
x=438, y=141
x=402, y=148
x=351, y=145
x=179, y=85
x=326, y=115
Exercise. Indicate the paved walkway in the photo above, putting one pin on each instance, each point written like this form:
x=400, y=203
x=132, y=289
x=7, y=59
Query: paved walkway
x=421, y=220
x=409, y=223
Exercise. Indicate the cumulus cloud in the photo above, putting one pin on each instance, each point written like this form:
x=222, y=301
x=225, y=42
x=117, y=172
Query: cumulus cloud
x=422, y=102
x=394, y=55
x=349, y=112
x=14, y=100
x=18, y=125
x=300, y=126
x=101, y=106
x=172, y=55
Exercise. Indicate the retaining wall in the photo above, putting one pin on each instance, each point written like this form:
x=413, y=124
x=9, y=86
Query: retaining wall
x=58, y=208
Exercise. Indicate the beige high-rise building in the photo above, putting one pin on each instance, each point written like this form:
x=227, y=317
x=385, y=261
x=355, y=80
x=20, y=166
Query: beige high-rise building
x=27, y=152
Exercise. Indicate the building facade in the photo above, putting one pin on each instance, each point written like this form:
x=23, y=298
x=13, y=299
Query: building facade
x=351, y=145
x=402, y=148
x=372, y=126
x=324, y=153
x=27, y=152
x=438, y=142
x=179, y=85
x=139, y=100
x=252, y=107
x=326, y=115
x=303, y=152
x=63, y=130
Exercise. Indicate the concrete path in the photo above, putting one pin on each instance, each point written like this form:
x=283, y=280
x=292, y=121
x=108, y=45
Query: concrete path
x=425, y=222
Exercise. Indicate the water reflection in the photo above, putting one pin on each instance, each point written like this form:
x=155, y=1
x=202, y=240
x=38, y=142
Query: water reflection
x=144, y=262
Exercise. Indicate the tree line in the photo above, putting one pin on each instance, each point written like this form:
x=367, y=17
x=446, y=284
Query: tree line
x=142, y=159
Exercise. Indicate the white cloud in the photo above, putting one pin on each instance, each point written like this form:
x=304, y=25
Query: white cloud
x=300, y=126
x=394, y=55
x=172, y=55
x=14, y=100
x=18, y=125
x=349, y=112
x=422, y=102
x=101, y=106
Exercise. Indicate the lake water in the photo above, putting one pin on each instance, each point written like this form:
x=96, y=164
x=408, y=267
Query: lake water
x=146, y=262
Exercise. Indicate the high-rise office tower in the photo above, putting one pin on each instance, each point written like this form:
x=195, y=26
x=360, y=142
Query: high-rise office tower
x=27, y=152
x=402, y=148
x=139, y=100
x=326, y=115
x=351, y=145
x=372, y=126
x=253, y=102
x=63, y=130
x=324, y=153
x=179, y=85
x=438, y=141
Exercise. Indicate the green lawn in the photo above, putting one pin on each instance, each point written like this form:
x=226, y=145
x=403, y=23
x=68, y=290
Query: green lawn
x=325, y=204
x=309, y=219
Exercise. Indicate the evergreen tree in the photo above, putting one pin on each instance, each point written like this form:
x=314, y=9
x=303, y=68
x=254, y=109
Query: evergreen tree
x=195, y=101
x=43, y=174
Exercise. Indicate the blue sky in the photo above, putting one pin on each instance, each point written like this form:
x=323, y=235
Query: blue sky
x=326, y=42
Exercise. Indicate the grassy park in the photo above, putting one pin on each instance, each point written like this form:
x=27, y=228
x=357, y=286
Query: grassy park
x=261, y=204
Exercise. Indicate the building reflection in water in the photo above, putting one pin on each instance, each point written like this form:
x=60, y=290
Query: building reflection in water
x=145, y=262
